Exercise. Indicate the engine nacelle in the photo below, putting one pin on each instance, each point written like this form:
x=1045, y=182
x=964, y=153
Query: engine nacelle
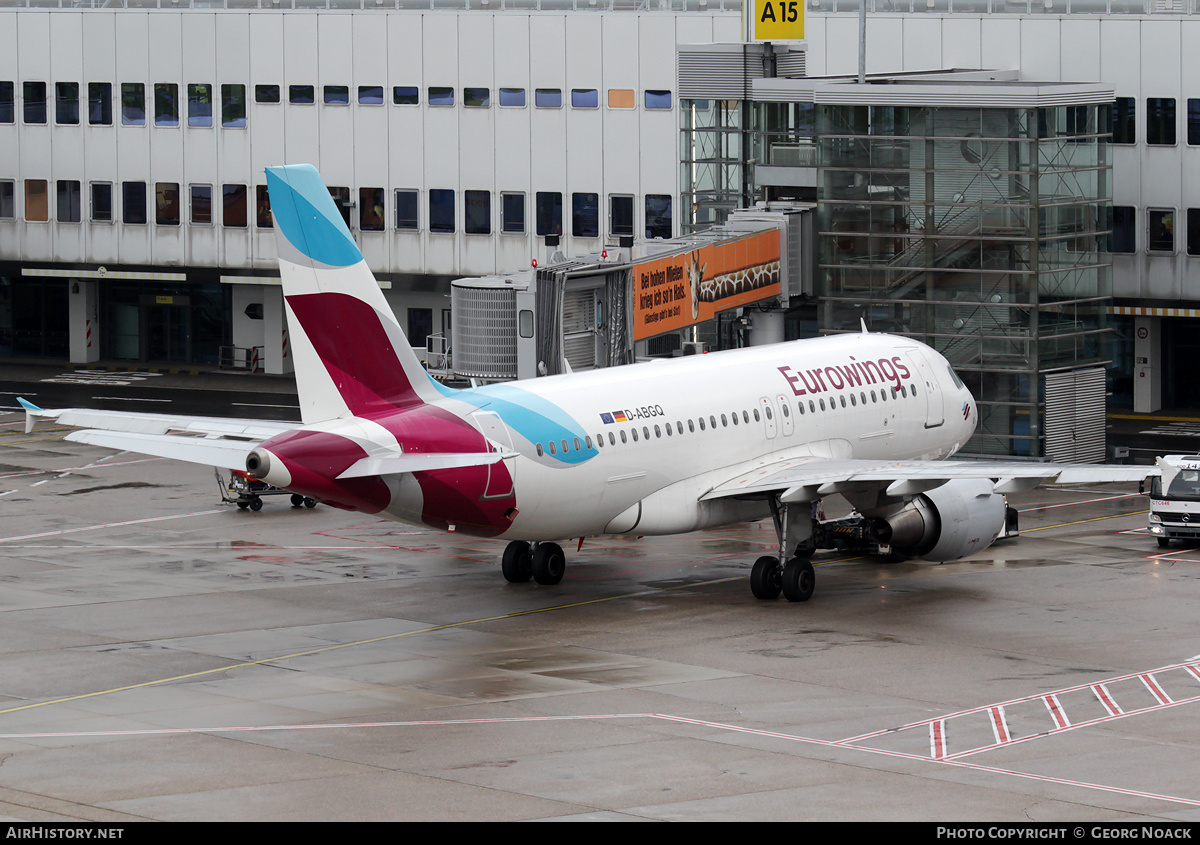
x=947, y=523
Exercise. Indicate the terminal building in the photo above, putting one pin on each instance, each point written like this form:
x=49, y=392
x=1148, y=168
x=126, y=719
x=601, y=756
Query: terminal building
x=1013, y=182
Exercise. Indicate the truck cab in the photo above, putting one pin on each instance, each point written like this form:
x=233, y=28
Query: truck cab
x=1175, y=499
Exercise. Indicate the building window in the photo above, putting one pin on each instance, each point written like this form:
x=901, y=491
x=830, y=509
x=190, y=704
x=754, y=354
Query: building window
x=166, y=203
x=370, y=95
x=100, y=103
x=1161, y=223
x=1160, y=121
x=658, y=216
x=371, y=213
x=585, y=215
x=302, y=95
x=133, y=104
x=70, y=201
x=512, y=97
x=658, y=99
x=1124, y=223
x=233, y=106
x=201, y=205
x=102, y=202
x=406, y=95
x=1123, y=123
x=262, y=208
x=233, y=201
x=441, y=210
x=35, y=102
x=199, y=104
x=440, y=95
x=8, y=106
x=420, y=326
x=66, y=103
x=133, y=202
x=512, y=213
x=341, y=198
x=407, y=203
x=585, y=98
x=621, y=98
x=337, y=95
x=620, y=216
x=8, y=199
x=547, y=98
x=1193, y=231
x=549, y=213
x=477, y=212
x=266, y=94
x=478, y=98
x=166, y=104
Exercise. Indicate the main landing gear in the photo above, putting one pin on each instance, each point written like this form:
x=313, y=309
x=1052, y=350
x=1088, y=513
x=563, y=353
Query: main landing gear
x=543, y=562
x=795, y=579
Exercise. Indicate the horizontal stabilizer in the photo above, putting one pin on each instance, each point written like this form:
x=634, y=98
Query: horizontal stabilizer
x=400, y=464
x=227, y=454
x=137, y=423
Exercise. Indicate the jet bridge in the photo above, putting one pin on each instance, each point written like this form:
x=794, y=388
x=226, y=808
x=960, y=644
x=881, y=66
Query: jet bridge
x=600, y=310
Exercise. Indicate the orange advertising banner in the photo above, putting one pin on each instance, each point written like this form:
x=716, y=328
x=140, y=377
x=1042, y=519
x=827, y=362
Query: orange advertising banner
x=672, y=293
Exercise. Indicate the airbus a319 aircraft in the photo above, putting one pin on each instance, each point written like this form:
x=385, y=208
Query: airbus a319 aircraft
x=654, y=448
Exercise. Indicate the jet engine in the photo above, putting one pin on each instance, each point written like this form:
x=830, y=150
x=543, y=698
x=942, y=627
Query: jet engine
x=949, y=522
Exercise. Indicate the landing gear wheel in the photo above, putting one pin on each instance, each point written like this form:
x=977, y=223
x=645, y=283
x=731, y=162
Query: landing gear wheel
x=310, y=502
x=798, y=580
x=806, y=551
x=242, y=505
x=297, y=500
x=764, y=578
x=256, y=504
x=1163, y=542
x=517, y=563
x=549, y=563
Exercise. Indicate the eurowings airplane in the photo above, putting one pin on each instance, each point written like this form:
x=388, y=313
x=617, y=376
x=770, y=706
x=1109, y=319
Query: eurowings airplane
x=655, y=448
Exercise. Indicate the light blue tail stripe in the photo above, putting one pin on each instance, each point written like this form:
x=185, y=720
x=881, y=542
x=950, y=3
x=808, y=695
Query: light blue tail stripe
x=306, y=215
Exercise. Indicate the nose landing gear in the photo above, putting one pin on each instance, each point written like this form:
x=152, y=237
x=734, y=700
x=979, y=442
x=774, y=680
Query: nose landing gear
x=795, y=578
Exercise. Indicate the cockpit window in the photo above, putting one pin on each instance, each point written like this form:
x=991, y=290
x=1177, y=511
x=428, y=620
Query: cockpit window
x=957, y=381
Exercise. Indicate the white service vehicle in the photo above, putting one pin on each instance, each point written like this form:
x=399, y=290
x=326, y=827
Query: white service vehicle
x=1175, y=499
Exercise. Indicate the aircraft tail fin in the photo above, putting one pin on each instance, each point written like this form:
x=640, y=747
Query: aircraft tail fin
x=352, y=357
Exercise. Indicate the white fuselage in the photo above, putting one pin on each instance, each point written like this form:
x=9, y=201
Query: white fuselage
x=659, y=435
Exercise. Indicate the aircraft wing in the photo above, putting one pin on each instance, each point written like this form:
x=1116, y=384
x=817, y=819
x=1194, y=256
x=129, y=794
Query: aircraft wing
x=214, y=441
x=806, y=479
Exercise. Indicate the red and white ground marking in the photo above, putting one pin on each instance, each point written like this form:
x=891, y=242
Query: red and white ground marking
x=937, y=739
x=1107, y=700
x=1054, y=706
x=1107, y=693
x=999, y=725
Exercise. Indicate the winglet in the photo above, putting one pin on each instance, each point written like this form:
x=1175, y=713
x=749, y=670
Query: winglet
x=30, y=418
x=863, y=322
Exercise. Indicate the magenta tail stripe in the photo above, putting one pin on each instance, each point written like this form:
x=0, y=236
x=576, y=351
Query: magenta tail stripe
x=356, y=350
